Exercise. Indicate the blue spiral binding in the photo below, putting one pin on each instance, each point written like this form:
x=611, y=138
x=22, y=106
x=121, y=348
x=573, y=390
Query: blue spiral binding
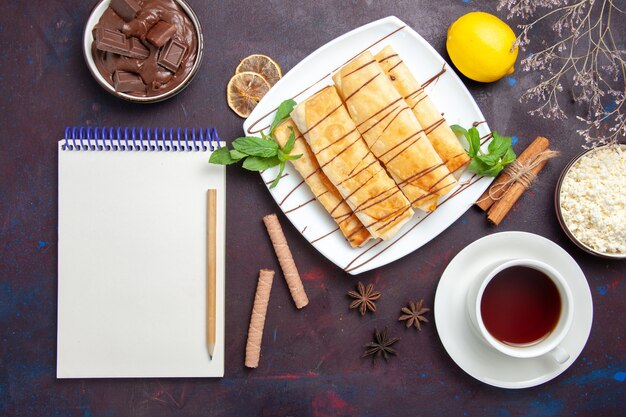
x=84, y=138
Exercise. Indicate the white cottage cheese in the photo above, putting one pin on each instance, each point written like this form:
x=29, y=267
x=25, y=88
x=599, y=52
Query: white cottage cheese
x=593, y=200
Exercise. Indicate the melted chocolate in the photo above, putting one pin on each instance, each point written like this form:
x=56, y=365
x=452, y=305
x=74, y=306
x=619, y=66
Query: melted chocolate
x=157, y=79
x=326, y=235
x=378, y=112
x=289, y=193
x=360, y=88
x=416, y=92
x=434, y=77
x=387, y=57
x=392, y=68
x=362, y=66
x=300, y=206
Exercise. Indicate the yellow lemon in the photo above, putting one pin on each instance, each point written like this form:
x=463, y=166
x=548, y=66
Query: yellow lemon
x=481, y=47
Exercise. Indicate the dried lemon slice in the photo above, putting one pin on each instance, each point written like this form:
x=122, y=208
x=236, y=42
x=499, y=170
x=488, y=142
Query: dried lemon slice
x=263, y=65
x=244, y=91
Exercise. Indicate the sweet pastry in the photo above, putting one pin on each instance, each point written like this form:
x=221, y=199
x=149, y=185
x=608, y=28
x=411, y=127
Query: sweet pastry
x=324, y=191
x=349, y=164
x=392, y=132
x=437, y=129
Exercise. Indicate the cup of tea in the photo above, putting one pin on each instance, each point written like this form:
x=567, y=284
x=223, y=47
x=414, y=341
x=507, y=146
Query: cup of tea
x=523, y=308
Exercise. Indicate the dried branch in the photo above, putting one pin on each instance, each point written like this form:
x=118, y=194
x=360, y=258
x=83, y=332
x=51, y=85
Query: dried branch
x=583, y=54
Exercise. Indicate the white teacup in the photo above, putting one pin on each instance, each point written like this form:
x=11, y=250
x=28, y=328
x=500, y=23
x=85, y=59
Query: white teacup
x=549, y=344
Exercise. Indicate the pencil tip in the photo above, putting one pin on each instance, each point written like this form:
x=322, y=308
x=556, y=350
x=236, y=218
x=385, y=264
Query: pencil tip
x=211, y=349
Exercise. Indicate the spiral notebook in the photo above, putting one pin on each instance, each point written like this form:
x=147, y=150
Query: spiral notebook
x=132, y=253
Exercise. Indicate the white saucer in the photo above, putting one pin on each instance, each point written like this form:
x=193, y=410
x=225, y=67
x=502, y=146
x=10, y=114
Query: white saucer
x=464, y=345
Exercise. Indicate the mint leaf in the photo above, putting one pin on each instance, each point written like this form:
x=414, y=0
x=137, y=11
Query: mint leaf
x=509, y=156
x=499, y=152
x=289, y=157
x=222, y=156
x=280, y=174
x=282, y=113
x=499, y=144
x=478, y=166
x=236, y=155
x=255, y=163
x=459, y=130
x=488, y=159
x=259, y=154
x=290, y=142
x=253, y=146
x=493, y=171
x=473, y=138
x=488, y=170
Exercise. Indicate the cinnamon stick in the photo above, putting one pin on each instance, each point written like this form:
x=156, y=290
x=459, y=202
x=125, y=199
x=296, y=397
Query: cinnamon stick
x=496, y=190
x=257, y=320
x=287, y=264
x=500, y=208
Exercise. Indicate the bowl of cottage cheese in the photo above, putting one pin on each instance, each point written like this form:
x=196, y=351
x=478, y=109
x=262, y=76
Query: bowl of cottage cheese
x=590, y=201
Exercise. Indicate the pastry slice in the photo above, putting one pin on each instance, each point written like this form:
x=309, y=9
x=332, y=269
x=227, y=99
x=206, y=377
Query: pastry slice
x=349, y=164
x=392, y=132
x=437, y=129
x=324, y=191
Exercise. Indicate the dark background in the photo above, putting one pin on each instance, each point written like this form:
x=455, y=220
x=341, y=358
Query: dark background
x=310, y=362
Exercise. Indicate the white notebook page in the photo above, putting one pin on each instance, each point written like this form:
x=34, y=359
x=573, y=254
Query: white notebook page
x=132, y=264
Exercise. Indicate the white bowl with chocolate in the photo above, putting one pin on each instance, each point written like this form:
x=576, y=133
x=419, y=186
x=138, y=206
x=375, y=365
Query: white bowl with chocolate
x=143, y=50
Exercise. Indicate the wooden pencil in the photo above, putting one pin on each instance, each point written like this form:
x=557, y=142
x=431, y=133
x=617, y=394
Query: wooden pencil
x=211, y=269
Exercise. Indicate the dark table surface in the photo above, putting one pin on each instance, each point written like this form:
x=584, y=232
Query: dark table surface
x=310, y=362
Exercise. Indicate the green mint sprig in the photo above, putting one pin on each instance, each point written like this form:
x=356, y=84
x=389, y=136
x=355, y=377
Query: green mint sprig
x=261, y=153
x=500, y=152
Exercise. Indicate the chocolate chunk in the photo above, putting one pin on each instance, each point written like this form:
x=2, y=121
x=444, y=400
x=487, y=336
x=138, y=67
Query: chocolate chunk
x=111, y=41
x=127, y=82
x=171, y=56
x=126, y=9
x=161, y=33
x=136, y=49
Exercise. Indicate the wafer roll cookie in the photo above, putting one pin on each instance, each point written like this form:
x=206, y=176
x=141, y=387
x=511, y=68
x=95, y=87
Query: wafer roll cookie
x=286, y=260
x=257, y=320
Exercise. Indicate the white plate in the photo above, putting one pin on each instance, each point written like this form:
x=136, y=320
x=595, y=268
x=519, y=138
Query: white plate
x=311, y=75
x=463, y=344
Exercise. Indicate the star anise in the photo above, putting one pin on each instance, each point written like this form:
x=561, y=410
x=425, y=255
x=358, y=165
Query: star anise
x=381, y=346
x=364, y=298
x=414, y=314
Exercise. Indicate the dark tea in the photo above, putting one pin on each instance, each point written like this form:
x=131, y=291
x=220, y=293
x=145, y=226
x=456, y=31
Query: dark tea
x=520, y=306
